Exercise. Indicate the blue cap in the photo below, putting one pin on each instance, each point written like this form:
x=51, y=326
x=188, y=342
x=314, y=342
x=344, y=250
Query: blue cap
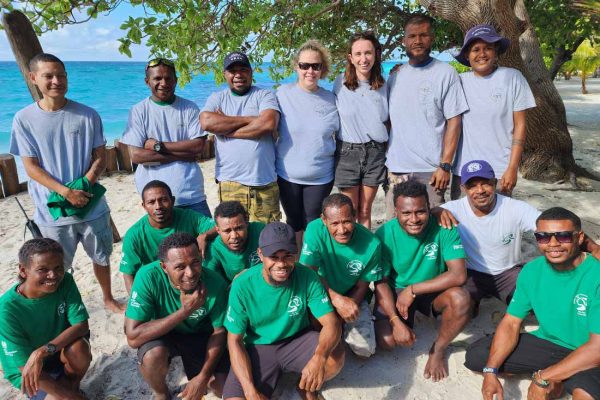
x=484, y=32
x=236, y=58
x=476, y=169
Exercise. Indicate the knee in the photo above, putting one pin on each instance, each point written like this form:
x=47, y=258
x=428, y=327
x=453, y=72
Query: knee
x=477, y=354
x=459, y=300
x=78, y=356
x=580, y=394
x=156, y=360
x=385, y=340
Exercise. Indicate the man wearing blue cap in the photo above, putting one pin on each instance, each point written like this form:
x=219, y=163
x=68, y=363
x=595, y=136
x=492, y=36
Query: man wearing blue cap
x=244, y=119
x=491, y=227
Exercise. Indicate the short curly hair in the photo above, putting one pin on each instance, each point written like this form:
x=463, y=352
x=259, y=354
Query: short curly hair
x=229, y=209
x=177, y=240
x=38, y=246
x=411, y=188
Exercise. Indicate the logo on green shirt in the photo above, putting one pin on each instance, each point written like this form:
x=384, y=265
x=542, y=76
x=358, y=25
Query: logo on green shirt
x=430, y=251
x=229, y=317
x=253, y=258
x=133, y=302
x=355, y=267
x=61, y=308
x=509, y=237
x=305, y=250
x=581, y=301
x=198, y=313
x=5, y=348
x=294, y=306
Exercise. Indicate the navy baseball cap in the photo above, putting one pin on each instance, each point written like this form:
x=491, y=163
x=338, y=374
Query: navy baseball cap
x=277, y=236
x=476, y=169
x=236, y=58
x=484, y=32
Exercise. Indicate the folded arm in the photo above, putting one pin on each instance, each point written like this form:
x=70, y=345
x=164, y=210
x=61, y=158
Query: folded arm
x=220, y=124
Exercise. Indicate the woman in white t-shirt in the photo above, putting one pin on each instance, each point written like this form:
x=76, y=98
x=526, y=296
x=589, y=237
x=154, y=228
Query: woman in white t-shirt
x=362, y=102
x=498, y=97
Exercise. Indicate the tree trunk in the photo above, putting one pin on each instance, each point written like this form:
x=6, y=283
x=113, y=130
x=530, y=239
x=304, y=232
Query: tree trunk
x=583, y=87
x=563, y=55
x=548, y=153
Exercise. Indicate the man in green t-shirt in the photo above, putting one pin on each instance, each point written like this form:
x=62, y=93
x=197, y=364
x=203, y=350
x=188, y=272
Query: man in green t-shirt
x=177, y=309
x=140, y=245
x=44, y=328
x=425, y=265
x=269, y=327
x=562, y=289
x=234, y=250
x=347, y=257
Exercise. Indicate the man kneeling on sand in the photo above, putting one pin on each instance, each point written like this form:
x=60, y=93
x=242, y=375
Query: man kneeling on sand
x=177, y=309
x=347, y=257
x=425, y=265
x=269, y=327
x=562, y=289
x=43, y=326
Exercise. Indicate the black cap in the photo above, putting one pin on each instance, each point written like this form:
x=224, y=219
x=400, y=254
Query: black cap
x=277, y=236
x=236, y=58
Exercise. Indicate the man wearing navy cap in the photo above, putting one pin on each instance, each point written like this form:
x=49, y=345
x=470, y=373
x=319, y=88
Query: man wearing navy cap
x=244, y=119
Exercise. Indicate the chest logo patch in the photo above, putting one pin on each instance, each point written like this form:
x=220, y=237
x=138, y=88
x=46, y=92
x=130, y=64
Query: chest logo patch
x=5, y=349
x=581, y=301
x=198, y=313
x=354, y=267
x=294, y=306
x=430, y=251
x=305, y=250
x=61, y=308
x=253, y=258
x=133, y=301
x=507, y=238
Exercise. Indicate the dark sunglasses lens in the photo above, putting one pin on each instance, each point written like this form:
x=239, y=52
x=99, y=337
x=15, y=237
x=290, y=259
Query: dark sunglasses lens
x=561, y=237
x=564, y=237
x=307, y=66
x=542, y=237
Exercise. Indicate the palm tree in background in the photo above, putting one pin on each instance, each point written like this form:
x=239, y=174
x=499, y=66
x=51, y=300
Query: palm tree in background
x=585, y=61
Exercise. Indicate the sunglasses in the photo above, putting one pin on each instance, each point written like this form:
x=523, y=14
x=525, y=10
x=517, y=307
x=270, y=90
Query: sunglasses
x=306, y=66
x=155, y=62
x=561, y=237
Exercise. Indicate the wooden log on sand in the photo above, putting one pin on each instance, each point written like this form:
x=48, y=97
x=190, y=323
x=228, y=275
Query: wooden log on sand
x=9, y=175
x=111, y=160
x=123, y=157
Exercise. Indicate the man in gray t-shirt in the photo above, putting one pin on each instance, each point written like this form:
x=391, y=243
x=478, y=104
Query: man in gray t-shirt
x=61, y=144
x=164, y=136
x=244, y=120
x=426, y=103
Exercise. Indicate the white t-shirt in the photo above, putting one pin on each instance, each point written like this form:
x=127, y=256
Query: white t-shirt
x=487, y=127
x=493, y=242
x=421, y=100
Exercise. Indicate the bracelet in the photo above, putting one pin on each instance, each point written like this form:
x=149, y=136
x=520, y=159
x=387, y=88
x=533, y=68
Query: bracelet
x=542, y=382
x=490, y=370
x=412, y=292
x=393, y=318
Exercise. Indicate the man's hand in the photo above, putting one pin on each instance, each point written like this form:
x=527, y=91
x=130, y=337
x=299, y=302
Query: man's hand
x=403, y=335
x=149, y=144
x=492, y=386
x=313, y=374
x=508, y=182
x=195, y=388
x=190, y=302
x=79, y=198
x=444, y=218
x=30, y=375
x=538, y=393
x=440, y=179
x=346, y=308
x=404, y=301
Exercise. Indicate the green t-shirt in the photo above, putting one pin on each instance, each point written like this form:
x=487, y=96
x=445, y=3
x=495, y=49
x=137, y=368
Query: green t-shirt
x=27, y=324
x=410, y=259
x=229, y=263
x=153, y=297
x=140, y=245
x=566, y=304
x=267, y=313
x=342, y=265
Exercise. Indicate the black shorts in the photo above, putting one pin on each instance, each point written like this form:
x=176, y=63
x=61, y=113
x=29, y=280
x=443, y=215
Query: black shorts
x=501, y=286
x=359, y=164
x=190, y=347
x=270, y=360
x=422, y=303
x=530, y=355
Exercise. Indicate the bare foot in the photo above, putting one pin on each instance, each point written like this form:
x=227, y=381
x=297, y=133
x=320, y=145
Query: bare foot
x=114, y=306
x=435, y=369
x=304, y=395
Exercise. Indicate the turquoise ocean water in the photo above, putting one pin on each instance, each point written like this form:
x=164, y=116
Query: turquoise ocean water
x=111, y=88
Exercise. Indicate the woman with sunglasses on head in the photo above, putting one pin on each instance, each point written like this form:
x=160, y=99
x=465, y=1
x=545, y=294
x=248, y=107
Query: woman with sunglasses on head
x=362, y=102
x=494, y=126
x=306, y=145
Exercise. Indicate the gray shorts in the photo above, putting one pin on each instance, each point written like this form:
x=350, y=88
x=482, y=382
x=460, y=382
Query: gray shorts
x=436, y=197
x=501, y=286
x=270, y=360
x=359, y=164
x=95, y=236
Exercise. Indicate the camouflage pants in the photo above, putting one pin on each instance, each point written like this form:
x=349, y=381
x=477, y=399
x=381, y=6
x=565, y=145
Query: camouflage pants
x=261, y=202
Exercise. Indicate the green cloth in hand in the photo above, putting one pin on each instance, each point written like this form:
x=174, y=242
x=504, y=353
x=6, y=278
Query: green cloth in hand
x=59, y=207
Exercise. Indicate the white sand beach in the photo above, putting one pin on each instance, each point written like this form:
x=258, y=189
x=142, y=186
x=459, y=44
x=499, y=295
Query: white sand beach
x=393, y=375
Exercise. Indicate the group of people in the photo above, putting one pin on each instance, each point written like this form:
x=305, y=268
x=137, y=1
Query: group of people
x=242, y=298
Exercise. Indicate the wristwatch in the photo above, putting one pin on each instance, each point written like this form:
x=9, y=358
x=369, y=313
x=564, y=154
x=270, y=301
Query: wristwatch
x=158, y=147
x=446, y=167
x=490, y=370
x=50, y=348
x=536, y=378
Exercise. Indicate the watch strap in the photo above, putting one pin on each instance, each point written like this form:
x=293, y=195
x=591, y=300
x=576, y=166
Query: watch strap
x=490, y=370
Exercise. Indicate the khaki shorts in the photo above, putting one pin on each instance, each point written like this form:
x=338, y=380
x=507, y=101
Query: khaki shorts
x=261, y=202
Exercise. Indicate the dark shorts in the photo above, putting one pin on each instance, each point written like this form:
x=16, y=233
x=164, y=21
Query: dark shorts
x=302, y=203
x=190, y=347
x=423, y=303
x=501, y=286
x=55, y=369
x=270, y=360
x=533, y=354
x=359, y=164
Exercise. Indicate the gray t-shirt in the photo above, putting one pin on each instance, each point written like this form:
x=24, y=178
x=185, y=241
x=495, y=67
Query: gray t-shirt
x=63, y=142
x=362, y=112
x=307, y=130
x=421, y=100
x=487, y=127
x=167, y=123
x=250, y=162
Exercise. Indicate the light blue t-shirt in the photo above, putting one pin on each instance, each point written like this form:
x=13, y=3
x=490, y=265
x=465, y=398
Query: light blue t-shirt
x=250, y=162
x=63, y=142
x=422, y=98
x=362, y=111
x=307, y=129
x=487, y=127
x=167, y=123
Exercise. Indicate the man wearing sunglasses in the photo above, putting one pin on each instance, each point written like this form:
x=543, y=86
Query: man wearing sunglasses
x=244, y=118
x=165, y=138
x=491, y=227
x=562, y=289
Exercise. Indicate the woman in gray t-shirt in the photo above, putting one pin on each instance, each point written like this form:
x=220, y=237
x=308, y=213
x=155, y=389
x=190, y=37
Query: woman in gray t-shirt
x=362, y=102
